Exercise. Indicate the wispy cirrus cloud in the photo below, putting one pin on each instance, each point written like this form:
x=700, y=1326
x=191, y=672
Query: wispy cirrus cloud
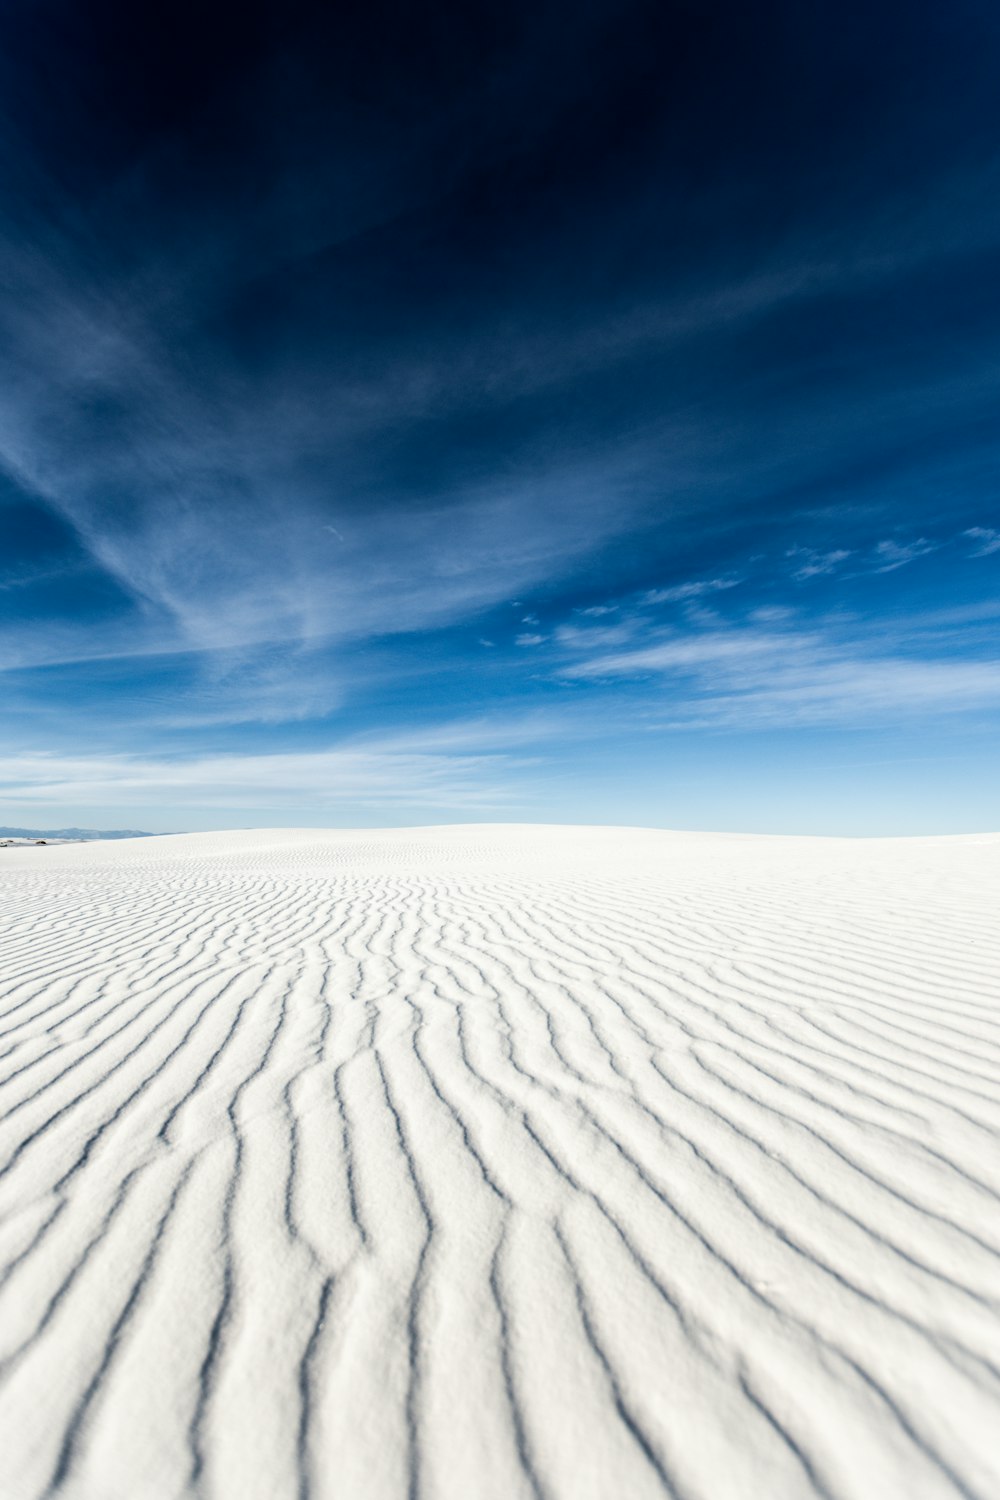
x=742, y=675
x=813, y=564
x=694, y=653
x=890, y=555
x=679, y=593
x=473, y=766
x=595, y=637
x=845, y=694
x=986, y=539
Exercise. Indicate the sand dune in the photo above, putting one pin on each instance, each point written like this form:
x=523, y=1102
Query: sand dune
x=500, y=1162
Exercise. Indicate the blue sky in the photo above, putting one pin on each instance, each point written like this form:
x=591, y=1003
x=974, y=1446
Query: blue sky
x=521, y=413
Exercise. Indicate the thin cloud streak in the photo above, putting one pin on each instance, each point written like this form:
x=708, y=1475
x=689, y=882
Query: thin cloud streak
x=986, y=538
x=750, y=678
x=325, y=781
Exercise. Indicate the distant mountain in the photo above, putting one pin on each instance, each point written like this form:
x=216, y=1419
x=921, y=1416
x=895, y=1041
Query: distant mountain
x=73, y=833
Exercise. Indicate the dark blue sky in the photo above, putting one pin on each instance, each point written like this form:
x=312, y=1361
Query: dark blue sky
x=537, y=412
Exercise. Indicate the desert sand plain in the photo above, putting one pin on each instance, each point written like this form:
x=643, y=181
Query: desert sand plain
x=484, y=1162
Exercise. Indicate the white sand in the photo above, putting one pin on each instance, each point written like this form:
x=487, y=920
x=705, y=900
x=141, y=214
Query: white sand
x=498, y=1162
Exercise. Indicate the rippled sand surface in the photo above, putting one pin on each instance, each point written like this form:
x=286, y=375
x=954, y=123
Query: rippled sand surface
x=499, y=1162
